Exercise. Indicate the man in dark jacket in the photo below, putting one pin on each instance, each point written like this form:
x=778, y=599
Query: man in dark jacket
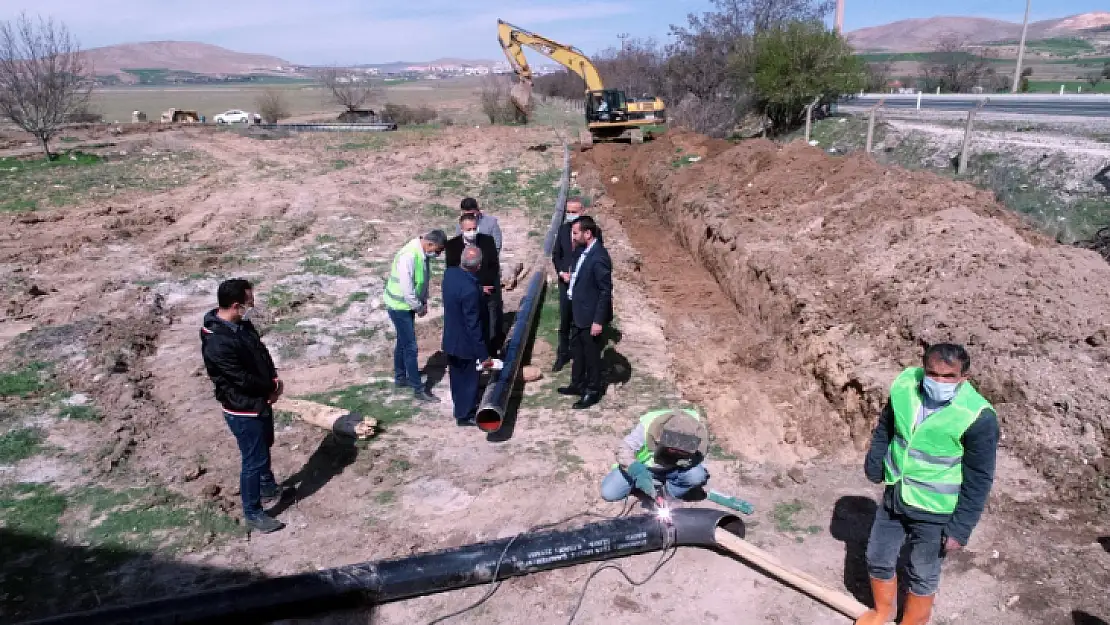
x=489, y=276
x=564, y=256
x=246, y=384
x=591, y=295
x=462, y=333
x=934, y=449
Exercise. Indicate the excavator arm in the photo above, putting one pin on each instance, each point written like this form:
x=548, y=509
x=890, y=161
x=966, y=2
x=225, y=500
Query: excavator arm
x=513, y=39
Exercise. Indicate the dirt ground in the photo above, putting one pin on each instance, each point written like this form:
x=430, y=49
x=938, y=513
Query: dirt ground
x=778, y=317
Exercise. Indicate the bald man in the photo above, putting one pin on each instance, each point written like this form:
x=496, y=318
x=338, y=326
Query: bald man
x=463, y=341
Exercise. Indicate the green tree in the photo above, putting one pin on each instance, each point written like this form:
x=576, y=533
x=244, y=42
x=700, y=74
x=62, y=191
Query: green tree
x=1106, y=70
x=797, y=62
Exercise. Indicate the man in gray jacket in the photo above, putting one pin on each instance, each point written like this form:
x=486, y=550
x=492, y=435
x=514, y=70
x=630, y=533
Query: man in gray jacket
x=487, y=224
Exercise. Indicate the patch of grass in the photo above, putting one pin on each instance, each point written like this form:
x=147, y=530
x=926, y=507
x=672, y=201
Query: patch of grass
x=20, y=444
x=74, y=177
x=358, y=296
x=783, y=515
x=567, y=459
x=399, y=465
x=683, y=161
x=375, y=400
x=452, y=180
x=24, y=382
x=440, y=211
x=373, y=143
x=81, y=413
x=385, y=497
x=19, y=205
x=324, y=267
x=339, y=163
x=325, y=238
x=30, y=509
x=148, y=519
x=541, y=191
x=284, y=417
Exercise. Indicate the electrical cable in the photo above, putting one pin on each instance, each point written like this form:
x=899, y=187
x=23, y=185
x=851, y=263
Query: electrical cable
x=663, y=559
x=495, y=583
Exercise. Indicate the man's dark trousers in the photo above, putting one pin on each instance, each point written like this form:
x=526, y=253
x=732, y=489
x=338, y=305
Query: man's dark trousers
x=585, y=371
x=255, y=436
x=464, y=386
x=565, y=322
x=493, y=320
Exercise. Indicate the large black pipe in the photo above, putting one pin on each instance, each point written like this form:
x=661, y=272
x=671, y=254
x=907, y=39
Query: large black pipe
x=495, y=401
x=369, y=583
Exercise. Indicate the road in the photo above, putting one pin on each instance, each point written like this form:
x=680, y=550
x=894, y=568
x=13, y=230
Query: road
x=1064, y=105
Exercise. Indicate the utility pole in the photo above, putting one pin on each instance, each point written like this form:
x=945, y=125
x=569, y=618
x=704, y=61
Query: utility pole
x=840, y=16
x=1021, y=49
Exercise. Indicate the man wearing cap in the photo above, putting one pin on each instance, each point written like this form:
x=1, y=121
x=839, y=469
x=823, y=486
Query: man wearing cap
x=406, y=298
x=666, y=446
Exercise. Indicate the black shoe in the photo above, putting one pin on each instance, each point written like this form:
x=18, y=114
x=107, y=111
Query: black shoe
x=588, y=399
x=277, y=493
x=571, y=390
x=467, y=422
x=265, y=523
x=559, y=364
x=426, y=397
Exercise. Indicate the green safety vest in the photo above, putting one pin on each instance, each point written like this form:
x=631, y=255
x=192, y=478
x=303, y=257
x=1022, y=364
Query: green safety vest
x=644, y=456
x=394, y=296
x=928, y=459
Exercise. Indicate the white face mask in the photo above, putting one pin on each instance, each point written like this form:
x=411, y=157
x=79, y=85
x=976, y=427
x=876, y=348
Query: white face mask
x=939, y=392
x=431, y=255
x=247, y=312
x=470, y=235
x=572, y=217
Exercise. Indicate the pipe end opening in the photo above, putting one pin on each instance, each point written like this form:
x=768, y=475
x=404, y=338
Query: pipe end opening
x=489, y=420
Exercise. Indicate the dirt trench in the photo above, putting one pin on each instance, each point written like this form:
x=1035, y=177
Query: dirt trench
x=836, y=272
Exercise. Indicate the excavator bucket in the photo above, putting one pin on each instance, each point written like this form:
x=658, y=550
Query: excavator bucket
x=521, y=96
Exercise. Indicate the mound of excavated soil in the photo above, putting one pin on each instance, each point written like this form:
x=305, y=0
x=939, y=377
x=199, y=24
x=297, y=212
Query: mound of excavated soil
x=843, y=269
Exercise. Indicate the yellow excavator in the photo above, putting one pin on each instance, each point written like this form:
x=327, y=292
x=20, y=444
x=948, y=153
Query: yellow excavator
x=609, y=113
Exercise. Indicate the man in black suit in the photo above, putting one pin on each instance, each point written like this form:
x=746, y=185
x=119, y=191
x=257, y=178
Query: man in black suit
x=591, y=298
x=564, y=257
x=489, y=275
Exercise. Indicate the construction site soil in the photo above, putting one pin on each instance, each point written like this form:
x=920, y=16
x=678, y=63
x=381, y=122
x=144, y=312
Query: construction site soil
x=837, y=272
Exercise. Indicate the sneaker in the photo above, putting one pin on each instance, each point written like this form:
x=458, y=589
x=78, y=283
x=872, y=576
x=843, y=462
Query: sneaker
x=276, y=493
x=265, y=523
x=426, y=397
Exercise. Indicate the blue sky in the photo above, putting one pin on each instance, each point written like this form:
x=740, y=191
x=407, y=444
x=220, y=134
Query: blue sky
x=376, y=31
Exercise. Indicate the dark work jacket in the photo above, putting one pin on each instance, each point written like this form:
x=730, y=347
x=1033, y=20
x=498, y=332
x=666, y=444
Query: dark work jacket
x=563, y=254
x=238, y=364
x=592, y=298
x=980, y=443
x=463, y=316
x=490, y=272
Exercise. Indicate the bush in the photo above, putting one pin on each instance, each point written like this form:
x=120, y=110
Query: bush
x=272, y=106
x=84, y=115
x=715, y=118
x=404, y=115
x=495, y=100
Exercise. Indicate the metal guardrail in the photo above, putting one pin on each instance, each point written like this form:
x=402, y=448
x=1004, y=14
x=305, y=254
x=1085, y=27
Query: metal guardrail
x=379, y=127
x=495, y=401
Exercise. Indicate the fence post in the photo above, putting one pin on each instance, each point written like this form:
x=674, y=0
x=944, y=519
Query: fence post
x=962, y=167
x=871, y=123
x=809, y=115
x=919, y=100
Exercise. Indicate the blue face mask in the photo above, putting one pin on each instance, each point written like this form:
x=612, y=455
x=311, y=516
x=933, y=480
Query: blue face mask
x=939, y=392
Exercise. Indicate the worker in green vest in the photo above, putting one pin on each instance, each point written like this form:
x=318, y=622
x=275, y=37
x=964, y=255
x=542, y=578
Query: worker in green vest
x=666, y=446
x=934, y=448
x=406, y=298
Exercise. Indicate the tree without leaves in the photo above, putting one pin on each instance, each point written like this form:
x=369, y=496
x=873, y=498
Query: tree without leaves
x=1094, y=78
x=1106, y=71
x=797, y=62
x=878, y=76
x=350, y=91
x=44, y=79
x=272, y=106
x=954, y=68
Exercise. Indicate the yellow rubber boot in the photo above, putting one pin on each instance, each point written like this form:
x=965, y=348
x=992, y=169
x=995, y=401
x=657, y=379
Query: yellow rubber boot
x=918, y=609
x=886, y=597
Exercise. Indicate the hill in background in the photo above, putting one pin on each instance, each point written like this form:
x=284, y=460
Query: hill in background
x=917, y=35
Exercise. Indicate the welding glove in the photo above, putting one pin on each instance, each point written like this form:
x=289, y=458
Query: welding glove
x=642, y=477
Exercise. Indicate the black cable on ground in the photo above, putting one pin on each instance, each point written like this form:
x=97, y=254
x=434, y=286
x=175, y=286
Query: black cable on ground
x=663, y=559
x=495, y=584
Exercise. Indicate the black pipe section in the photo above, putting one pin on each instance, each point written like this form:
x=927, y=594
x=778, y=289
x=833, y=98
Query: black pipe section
x=377, y=582
x=495, y=401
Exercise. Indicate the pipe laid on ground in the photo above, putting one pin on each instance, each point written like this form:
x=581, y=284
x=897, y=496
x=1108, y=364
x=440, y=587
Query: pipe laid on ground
x=377, y=582
x=495, y=401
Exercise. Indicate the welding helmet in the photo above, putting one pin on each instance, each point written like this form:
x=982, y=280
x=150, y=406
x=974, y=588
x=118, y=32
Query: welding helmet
x=678, y=437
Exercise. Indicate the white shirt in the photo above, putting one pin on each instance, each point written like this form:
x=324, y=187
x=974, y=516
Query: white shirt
x=577, y=266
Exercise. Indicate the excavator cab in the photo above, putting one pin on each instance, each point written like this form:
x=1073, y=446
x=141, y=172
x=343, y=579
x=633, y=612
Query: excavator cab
x=606, y=105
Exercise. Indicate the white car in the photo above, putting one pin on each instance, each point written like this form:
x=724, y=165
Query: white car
x=233, y=117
